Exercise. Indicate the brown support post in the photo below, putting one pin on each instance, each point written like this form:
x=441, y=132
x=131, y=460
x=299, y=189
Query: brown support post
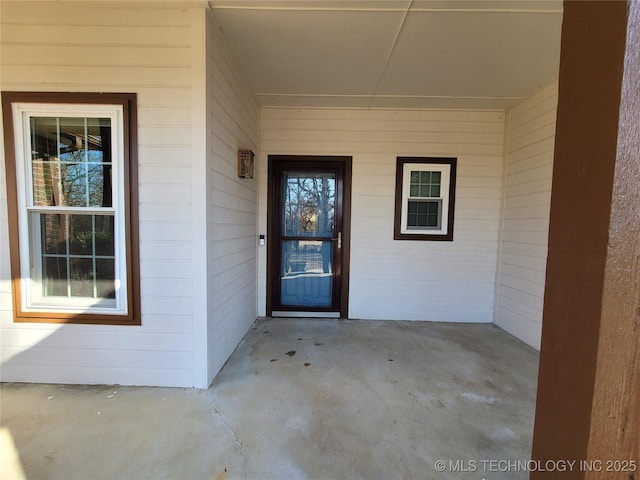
x=615, y=416
x=588, y=386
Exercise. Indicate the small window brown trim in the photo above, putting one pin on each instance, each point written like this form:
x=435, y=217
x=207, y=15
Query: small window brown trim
x=128, y=101
x=426, y=235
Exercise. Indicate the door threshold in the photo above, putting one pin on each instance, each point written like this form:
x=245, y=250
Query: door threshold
x=291, y=314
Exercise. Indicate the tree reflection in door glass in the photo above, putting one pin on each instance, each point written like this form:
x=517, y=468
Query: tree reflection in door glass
x=309, y=204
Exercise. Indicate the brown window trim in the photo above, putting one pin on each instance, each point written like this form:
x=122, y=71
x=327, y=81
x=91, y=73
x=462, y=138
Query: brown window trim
x=397, y=225
x=129, y=104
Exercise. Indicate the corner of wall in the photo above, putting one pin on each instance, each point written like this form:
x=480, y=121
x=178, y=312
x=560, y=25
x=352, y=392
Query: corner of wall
x=505, y=160
x=232, y=117
x=199, y=196
x=522, y=247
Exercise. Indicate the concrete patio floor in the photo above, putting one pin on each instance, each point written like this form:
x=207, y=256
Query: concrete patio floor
x=299, y=399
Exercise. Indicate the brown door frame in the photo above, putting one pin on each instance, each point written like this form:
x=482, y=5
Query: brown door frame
x=274, y=168
x=588, y=404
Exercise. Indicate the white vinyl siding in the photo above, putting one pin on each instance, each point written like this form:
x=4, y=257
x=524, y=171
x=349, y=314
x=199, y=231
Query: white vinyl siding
x=231, y=210
x=123, y=47
x=529, y=148
x=407, y=280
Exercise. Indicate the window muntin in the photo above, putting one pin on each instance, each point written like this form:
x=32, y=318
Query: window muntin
x=71, y=166
x=424, y=198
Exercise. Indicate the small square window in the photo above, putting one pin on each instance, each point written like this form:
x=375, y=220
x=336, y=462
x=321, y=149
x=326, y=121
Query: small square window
x=425, y=194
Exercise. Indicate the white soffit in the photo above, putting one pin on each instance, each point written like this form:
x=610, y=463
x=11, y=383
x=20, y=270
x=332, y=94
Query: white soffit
x=393, y=53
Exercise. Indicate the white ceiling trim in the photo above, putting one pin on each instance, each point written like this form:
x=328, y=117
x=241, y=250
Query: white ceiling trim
x=338, y=95
x=485, y=10
x=214, y=6
x=307, y=9
x=399, y=102
x=415, y=9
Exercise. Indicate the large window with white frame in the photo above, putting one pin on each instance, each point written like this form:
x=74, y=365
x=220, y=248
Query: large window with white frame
x=425, y=197
x=70, y=160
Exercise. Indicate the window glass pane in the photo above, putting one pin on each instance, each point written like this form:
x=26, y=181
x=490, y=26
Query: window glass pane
x=412, y=216
x=55, y=276
x=54, y=234
x=414, y=187
x=74, y=184
x=77, y=254
x=44, y=138
x=47, y=188
x=423, y=215
x=99, y=185
x=81, y=277
x=71, y=137
x=83, y=232
x=104, y=233
x=98, y=142
x=81, y=235
x=425, y=184
x=71, y=162
x=99, y=158
x=105, y=278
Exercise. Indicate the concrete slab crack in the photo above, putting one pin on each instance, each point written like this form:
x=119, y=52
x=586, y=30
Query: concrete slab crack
x=235, y=438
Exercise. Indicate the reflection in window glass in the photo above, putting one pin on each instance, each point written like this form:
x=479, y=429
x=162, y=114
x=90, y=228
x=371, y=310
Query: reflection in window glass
x=422, y=214
x=425, y=184
x=78, y=257
x=71, y=162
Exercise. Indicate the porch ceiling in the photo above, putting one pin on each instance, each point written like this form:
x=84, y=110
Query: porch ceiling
x=393, y=53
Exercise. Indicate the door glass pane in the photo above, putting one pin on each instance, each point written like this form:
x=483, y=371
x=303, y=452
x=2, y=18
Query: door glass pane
x=308, y=204
x=307, y=273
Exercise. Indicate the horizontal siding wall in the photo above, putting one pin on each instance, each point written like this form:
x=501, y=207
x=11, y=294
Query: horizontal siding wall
x=523, y=252
x=232, y=116
x=116, y=47
x=404, y=280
